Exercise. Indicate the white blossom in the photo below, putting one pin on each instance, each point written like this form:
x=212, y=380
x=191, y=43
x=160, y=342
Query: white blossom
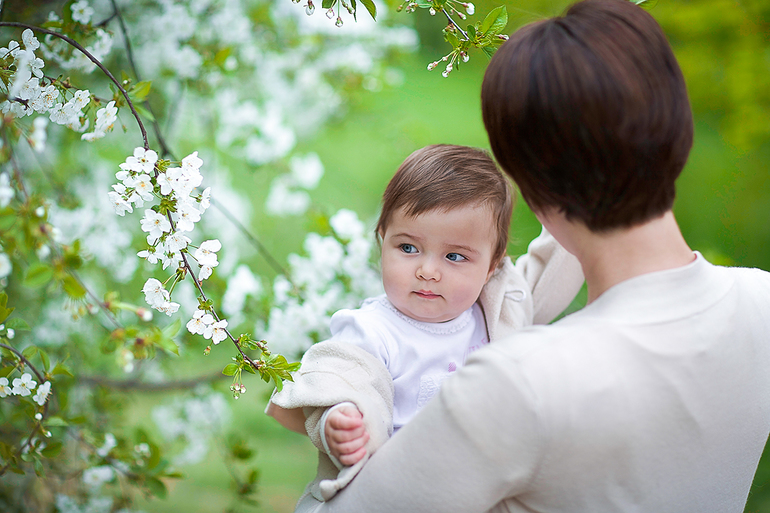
x=206, y=254
x=155, y=225
x=5, y=389
x=142, y=161
x=177, y=241
x=110, y=442
x=143, y=185
x=205, y=200
x=154, y=293
x=346, y=225
x=306, y=171
x=199, y=322
x=205, y=272
x=41, y=395
x=168, y=308
x=106, y=117
x=95, y=477
x=153, y=253
x=38, y=136
x=165, y=184
x=12, y=49
x=24, y=385
x=6, y=191
x=218, y=333
x=186, y=216
x=82, y=12
x=191, y=162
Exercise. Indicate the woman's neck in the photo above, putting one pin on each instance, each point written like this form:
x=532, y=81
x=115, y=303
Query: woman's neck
x=614, y=257
x=609, y=258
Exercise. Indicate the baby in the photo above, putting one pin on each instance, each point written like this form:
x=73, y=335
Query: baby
x=449, y=290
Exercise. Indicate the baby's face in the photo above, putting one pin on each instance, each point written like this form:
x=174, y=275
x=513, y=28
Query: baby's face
x=434, y=265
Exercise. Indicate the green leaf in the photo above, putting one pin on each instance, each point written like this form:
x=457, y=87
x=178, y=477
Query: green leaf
x=172, y=329
x=56, y=422
x=46, y=361
x=230, y=369
x=17, y=323
x=471, y=32
x=38, y=275
x=140, y=91
x=60, y=368
x=5, y=312
x=52, y=450
x=145, y=113
x=8, y=218
x=489, y=51
x=451, y=38
x=328, y=3
x=156, y=487
x=29, y=352
x=371, y=8
x=168, y=345
x=248, y=368
x=5, y=371
x=73, y=289
x=495, y=21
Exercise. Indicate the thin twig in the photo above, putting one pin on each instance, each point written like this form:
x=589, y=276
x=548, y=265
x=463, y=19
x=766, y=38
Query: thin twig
x=145, y=386
x=453, y=22
x=39, y=424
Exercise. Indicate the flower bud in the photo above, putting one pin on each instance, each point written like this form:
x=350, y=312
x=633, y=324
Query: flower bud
x=309, y=8
x=465, y=57
x=432, y=11
x=461, y=15
x=470, y=8
x=10, y=333
x=338, y=22
x=330, y=13
x=432, y=66
x=38, y=416
x=144, y=314
x=207, y=351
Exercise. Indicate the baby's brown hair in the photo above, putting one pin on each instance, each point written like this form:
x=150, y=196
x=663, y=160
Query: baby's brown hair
x=443, y=177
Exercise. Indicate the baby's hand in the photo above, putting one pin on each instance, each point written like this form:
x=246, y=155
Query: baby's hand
x=346, y=434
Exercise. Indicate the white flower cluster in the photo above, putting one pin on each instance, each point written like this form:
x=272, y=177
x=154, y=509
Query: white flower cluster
x=288, y=194
x=24, y=386
x=336, y=273
x=63, y=54
x=140, y=183
x=29, y=94
x=202, y=323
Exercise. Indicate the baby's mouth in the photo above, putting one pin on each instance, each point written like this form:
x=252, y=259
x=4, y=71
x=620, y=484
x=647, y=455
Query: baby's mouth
x=426, y=294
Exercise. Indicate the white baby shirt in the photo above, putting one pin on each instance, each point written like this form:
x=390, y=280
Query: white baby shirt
x=418, y=368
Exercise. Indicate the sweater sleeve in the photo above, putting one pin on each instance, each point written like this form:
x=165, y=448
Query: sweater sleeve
x=553, y=274
x=475, y=446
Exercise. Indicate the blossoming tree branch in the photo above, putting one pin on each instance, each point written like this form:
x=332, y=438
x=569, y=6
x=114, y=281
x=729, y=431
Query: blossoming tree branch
x=58, y=402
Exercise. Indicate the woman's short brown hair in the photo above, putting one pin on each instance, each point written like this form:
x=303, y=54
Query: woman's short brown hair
x=588, y=113
x=443, y=177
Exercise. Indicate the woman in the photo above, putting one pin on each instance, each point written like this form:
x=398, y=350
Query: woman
x=656, y=396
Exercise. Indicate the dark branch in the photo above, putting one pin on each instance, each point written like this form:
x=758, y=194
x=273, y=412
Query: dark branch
x=145, y=386
x=93, y=59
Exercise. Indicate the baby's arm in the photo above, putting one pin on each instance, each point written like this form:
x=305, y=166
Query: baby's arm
x=345, y=433
x=293, y=419
x=554, y=276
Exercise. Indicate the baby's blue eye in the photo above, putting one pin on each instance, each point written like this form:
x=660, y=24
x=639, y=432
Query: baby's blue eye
x=408, y=248
x=455, y=257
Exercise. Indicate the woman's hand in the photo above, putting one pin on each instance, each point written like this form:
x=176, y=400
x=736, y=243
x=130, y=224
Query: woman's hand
x=346, y=434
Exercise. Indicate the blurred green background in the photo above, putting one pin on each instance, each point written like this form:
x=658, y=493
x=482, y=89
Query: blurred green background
x=723, y=202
